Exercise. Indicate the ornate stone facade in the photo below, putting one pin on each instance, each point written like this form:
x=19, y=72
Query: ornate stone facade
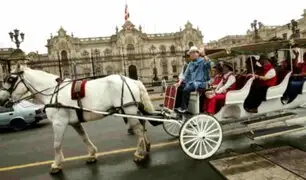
x=265, y=33
x=129, y=51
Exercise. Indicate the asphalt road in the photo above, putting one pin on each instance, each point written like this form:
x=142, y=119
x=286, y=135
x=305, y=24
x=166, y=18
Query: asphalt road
x=167, y=162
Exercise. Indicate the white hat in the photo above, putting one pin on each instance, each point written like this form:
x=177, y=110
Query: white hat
x=193, y=49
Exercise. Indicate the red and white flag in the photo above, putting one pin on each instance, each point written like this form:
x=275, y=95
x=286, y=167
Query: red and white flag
x=127, y=14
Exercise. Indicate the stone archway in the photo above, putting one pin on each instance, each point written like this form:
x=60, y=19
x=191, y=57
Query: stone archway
x=133, y=72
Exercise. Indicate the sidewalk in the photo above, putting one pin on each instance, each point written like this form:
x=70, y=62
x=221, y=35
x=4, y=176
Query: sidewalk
x=156, y=96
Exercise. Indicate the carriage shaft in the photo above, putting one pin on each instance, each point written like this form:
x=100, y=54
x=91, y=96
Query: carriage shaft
x=147, y=118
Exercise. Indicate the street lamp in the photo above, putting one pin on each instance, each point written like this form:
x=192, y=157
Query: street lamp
x=293, y=25
x=15, y=37
x=155, y=78
x=255, y=25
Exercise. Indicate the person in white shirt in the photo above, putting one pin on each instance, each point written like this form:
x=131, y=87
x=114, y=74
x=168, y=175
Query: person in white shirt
x=226, y=84
x=180, y=84
x=266, y=78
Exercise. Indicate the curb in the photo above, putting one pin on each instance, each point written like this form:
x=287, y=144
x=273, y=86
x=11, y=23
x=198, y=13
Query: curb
x=157, y=98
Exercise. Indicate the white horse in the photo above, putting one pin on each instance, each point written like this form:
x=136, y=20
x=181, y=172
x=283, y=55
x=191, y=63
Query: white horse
x=101, y=95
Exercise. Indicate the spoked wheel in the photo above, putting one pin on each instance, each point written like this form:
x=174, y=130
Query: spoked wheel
x=172, y=129
x=201, y=136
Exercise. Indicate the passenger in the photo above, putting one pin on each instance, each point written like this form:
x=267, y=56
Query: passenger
x=295, y=83
x=195, y=77
x=226, y=84
x=217, y=75
x=302, y=66
x=265, y=79
x=181, y=84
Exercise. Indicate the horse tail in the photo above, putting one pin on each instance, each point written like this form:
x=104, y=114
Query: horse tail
x=145, y=98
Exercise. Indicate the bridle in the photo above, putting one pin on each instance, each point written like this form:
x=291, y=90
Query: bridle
x=14, y=84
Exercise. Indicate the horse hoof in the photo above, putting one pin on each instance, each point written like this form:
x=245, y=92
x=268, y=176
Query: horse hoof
x=91, y=160
x=148, y=147
x=130, y=131
x=141, y=160
x=55, y=171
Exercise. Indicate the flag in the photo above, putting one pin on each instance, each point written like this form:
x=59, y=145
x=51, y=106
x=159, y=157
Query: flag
x=127, y=14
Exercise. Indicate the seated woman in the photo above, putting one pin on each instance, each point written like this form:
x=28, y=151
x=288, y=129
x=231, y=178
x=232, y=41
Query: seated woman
x=302, y=66
x=226, y=84
x=217, y=75
x=266, y=78
x=296, y=82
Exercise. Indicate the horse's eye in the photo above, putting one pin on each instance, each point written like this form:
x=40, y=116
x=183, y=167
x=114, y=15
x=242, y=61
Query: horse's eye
x=10, y=79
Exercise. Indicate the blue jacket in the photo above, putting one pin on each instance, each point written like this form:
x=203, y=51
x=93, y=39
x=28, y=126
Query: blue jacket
x=197, y=73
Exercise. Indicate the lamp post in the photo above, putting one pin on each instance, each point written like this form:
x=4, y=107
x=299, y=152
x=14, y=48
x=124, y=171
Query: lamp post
x=293, y=26
x=255, y=25
x=15, y=37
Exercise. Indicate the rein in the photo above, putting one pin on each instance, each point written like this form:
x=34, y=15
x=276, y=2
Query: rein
x=29, y=86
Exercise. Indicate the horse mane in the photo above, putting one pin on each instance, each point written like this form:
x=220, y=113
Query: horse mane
x=41, y=73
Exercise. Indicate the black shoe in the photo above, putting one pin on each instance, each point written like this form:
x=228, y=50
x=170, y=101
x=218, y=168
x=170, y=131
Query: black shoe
x=181, y=110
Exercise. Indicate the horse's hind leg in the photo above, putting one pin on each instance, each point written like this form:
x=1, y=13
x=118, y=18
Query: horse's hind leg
x=59, y=128
x=91, y=148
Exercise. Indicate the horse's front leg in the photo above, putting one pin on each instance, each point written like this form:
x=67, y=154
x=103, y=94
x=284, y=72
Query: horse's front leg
x=143, y=146
x=91, y=148
x=59, y=128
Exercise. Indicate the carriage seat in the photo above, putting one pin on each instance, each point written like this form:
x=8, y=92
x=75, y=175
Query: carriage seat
x=238, y=96
x=278, y=90
x=199, y=91
x=304, y=88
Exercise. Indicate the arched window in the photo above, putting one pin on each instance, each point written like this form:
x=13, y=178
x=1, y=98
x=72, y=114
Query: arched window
x=174, y=67
x=130, y=51
x=108, y=54
x=190, y=44
x=64, y=58
x=172, y=49
x=85, y=53
x=164, y=64
x=162, y=49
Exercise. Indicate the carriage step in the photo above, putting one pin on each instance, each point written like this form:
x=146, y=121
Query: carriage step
x=271, y=119
x=275, y=131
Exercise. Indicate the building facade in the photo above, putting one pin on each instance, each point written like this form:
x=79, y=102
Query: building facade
x=265, y=33
x=293, y=29
x=129, y=51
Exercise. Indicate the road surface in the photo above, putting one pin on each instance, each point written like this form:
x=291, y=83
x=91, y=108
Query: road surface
x=27, y=155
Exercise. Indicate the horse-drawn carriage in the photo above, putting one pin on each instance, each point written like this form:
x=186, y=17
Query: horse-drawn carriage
x=200, y=134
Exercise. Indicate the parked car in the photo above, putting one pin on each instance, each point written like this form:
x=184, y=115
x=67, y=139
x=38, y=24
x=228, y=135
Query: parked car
x=21, y=115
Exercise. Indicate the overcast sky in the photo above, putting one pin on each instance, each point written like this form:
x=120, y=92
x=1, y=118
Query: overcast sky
x=90, y=18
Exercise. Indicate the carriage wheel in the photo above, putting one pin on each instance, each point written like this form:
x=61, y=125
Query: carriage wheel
x=201, y=136
x=172, y=129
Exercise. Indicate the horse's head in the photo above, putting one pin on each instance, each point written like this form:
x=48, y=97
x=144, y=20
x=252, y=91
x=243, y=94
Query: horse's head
x=13, y=85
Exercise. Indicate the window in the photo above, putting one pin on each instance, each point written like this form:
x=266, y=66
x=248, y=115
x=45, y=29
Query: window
x=174, y=69
x=172, y=49
x=165, y=66
x=130, y=51
x=190, y=44
x=162, y=49
x=108, y=54
x=285, y=36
